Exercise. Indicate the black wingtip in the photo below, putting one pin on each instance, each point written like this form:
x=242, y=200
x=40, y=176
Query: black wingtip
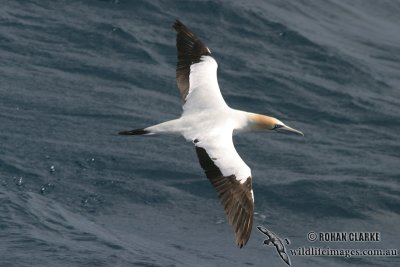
x=177, y=24
x=134, y=132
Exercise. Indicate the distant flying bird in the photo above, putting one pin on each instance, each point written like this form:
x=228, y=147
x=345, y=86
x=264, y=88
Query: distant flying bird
x=209, y=123
x=274, y=240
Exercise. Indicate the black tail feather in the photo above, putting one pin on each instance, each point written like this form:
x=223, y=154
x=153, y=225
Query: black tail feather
x=141, y=131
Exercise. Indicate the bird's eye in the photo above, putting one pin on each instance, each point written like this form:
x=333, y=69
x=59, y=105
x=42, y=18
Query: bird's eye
x=277, y=126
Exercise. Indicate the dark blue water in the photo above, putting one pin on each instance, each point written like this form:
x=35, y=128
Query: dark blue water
x=73, y=73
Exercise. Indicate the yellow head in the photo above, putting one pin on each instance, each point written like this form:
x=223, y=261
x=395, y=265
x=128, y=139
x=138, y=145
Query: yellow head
x=266, y=123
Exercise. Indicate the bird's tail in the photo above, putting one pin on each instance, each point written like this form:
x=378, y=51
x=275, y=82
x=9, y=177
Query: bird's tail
x=168, y=127
x=141, y=131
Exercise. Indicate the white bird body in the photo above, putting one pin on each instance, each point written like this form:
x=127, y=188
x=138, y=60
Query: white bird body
x=213, y=128
x=206, y=122
x=209, y=123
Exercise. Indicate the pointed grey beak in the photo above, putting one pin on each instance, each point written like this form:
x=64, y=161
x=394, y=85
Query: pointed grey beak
x=288, y=130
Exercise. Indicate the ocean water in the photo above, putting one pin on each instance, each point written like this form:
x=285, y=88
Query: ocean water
x=74, y=73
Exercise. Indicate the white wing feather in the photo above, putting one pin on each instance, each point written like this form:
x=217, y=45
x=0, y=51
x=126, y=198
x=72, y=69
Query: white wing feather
x=222, y=151
x=204, y=92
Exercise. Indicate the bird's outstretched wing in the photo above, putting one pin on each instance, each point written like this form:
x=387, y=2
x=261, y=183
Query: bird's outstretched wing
x=196, y=72
x=266, y=232
x=231, y=177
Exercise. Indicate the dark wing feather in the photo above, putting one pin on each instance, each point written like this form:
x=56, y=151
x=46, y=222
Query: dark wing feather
x=190, y=49
x=235, y=197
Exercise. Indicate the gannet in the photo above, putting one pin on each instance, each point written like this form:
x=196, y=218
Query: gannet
x=209, y=123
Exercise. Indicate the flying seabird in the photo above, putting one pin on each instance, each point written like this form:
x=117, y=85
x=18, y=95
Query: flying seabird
x=209, y=123
x=274, y=240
